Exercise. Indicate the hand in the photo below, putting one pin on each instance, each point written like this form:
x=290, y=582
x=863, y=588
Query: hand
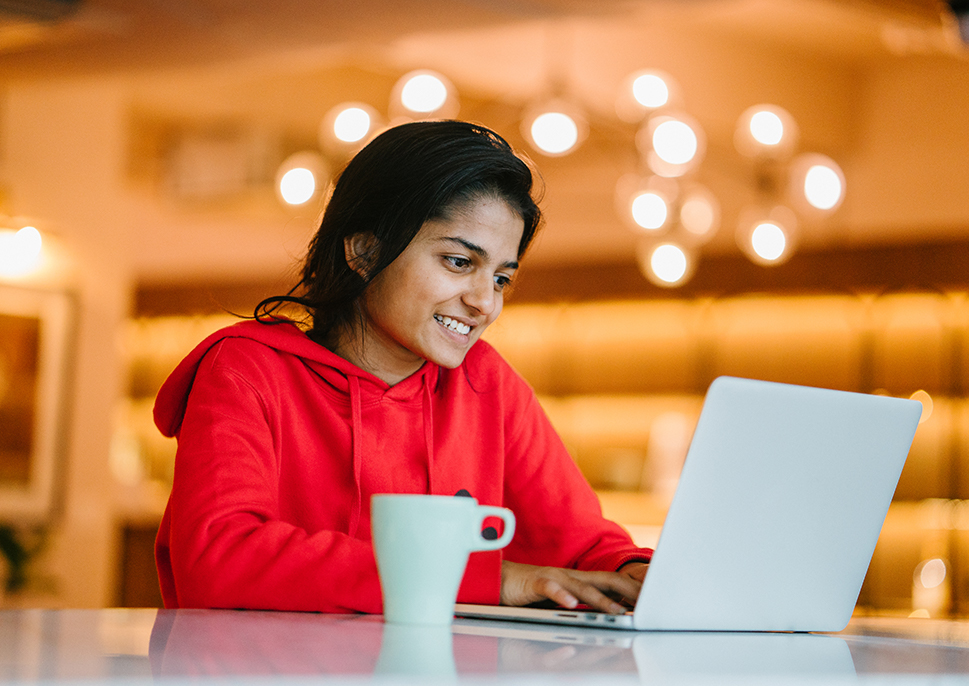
x=522, y=584
x=636, y=570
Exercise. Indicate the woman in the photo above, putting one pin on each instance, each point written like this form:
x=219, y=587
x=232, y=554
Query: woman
x=284, y=434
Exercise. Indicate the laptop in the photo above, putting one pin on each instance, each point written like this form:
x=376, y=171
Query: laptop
x=775, y=518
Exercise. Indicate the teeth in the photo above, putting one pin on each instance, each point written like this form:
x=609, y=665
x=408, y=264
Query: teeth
x=453, y=324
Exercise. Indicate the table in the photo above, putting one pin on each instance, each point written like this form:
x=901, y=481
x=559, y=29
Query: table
x=160, y=646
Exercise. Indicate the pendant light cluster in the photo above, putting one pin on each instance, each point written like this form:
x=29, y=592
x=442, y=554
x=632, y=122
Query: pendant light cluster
x=662, y=201
x=676, y=215
x=673, y=213
x=421, y=94
x=808, y=186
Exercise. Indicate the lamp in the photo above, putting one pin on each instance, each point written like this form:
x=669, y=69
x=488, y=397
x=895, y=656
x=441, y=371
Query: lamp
x=766, y=132
x=817, y=184
x=767, y=235
x=423, y=94
x=672, y=143
x=20, y=251
x=301, y=177
x=666, y=264
x=555, y=127
x=348, y=127
x=644, y=92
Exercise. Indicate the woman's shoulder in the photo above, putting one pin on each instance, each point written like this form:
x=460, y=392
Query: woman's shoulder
x=487, y=371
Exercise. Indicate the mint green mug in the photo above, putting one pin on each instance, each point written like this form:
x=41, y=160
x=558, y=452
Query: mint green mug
x=422, y=544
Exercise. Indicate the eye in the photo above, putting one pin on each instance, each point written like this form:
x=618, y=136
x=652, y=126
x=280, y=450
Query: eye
x=502, y=281
x=458, y=262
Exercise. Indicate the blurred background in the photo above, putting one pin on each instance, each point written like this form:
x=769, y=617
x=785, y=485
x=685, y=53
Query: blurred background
x=777, y=190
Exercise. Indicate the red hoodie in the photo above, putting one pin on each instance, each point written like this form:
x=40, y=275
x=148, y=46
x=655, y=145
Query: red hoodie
x=281, y=443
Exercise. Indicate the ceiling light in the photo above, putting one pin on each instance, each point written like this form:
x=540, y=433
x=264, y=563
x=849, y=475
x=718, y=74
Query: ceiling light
x=424, y=93
x=348, y=127
x=20, y=251
x=767, y=236
x=646, y=203
x=666, y=264
x=699, y=213
x=766, y=131
x=643, y=92
x=554, y=128
x=672, y=144
x=649, y=210
x=768, y=240
x=817, y=183
x=300, y=178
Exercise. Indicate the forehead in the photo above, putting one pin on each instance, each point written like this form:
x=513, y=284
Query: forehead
x=488, y=222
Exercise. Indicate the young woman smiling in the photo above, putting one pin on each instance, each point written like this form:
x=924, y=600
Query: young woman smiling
x=286, y=429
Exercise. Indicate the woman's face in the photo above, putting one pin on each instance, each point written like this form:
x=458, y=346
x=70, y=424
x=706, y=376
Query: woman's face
x=437, y=298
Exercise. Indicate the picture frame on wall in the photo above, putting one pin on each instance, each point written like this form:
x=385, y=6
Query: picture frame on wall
x=36, y=335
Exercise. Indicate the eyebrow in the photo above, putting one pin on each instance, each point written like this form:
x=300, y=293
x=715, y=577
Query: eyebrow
x=478, y=250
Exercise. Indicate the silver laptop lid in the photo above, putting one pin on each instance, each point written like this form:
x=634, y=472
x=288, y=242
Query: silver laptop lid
x=779, y=506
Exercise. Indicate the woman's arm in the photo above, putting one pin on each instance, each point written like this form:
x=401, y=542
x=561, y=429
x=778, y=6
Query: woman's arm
x=224, y=542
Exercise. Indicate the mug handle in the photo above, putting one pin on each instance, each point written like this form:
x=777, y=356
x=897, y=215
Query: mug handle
x=507, y=516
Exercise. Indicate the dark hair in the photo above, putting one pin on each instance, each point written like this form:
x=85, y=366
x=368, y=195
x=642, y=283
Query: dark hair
x=404, y=177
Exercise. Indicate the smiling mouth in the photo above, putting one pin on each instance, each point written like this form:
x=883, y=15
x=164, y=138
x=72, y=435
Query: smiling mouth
x=453, y=324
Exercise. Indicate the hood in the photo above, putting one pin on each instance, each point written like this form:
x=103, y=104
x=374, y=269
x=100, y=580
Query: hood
x=286, y=337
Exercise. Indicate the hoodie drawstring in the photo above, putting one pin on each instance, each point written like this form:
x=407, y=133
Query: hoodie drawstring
x=429, y=434
x=357, y=440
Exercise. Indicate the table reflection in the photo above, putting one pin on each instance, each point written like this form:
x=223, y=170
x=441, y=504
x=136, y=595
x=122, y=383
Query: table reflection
x=226, y=643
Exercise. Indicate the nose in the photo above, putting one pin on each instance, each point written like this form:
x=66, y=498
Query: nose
x=481, y=295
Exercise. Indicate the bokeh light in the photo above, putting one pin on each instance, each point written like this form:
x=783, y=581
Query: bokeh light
x=352, y=124
x=766, y=128
x=768, y=241
x=700, y=213
x=554, y=128
x=297, y=185
x=927, y=404
x=666, y=264
x=817, y=184
x=649, y=210
x=300, y=177
x=20, y=251
x=822, y=187
x=651, y=90
x=766, y=131
x=675, y=142
x=423, y=92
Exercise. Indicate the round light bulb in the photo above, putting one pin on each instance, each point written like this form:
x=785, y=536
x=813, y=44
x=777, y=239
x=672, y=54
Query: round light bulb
x=698, y=215
x=651, y=91
x=649, y=210
x=675, y=142
x=352, y=125
x=931, y=573
x=19, y=251
x=766, y=128
x=668, y=263
x=822, y=187
x=423, y=93
x=768, y=241
x=766, y=131
x=554, y=132
x=297, y=186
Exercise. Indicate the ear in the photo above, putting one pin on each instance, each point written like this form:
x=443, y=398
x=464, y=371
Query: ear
x=361, y=252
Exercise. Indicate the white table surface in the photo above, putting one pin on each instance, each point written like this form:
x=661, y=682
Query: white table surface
x=153, y=647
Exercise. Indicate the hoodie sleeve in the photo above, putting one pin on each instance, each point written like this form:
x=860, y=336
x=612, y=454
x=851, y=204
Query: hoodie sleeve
x=560, y=520
x=222, y=543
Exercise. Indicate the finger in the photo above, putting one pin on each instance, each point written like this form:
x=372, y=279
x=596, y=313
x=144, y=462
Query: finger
x=593, y=597
x=622, y=585
x=636, y=570
x=551, y=589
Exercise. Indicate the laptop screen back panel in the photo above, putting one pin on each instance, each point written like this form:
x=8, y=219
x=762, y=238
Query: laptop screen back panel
x=780, y=503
